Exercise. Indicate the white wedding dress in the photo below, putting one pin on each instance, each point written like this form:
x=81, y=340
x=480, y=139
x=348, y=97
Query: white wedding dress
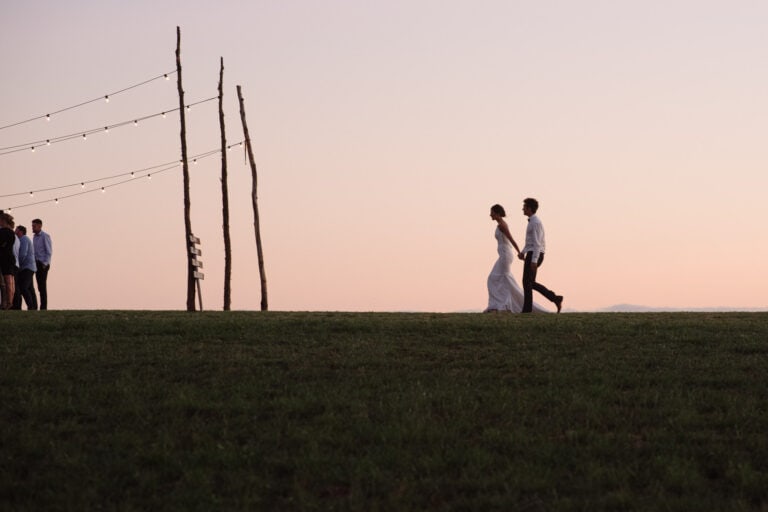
x=504, y=294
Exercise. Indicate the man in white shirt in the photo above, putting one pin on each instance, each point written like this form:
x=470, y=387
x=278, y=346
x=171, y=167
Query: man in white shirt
x=533, y=254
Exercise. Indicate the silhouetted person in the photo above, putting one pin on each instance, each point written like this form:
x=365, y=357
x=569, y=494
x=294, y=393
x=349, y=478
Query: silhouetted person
x=26, y=272
x=7, y=259
x=43, y=251
x=533, y=254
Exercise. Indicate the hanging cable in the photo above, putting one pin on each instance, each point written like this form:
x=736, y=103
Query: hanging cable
x=102, y=97
x=83, y=134
x=134, y=175
x=90, y=191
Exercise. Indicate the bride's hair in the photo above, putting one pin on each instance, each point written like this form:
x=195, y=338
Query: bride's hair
x=498, y=210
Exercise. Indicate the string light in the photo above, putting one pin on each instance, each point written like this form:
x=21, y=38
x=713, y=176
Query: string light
x=33, y=149
x=163, y=115
x=105, y=97
x=23, y=147
x=160, y=168
x=57, y=200
x=84, y=137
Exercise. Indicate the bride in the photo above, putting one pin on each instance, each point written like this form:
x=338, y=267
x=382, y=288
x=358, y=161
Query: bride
x=504, y=294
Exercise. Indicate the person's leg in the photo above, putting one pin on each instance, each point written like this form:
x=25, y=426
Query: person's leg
x=549, y=294
x=10, y=290
x=27, y=289
x=529, y=278
x=17, y=293
x=41, y=277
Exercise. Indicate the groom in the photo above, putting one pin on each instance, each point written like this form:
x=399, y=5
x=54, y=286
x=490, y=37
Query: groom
x=533, y=254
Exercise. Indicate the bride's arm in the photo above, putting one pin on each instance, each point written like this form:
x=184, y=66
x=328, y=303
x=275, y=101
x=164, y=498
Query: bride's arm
x=504, y=229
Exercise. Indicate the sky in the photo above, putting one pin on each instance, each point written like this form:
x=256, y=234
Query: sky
x=382, y=134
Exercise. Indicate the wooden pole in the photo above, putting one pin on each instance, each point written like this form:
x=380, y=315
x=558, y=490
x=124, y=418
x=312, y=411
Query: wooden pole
x=224, y=197
x=254, y=199
x=185, y=170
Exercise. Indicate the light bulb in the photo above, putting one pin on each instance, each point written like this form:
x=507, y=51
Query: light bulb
x=106, y=98
x=166, y=76
x=136, y=122
x=194, y=162
x=132, y=174
x=149, y=176
x=102, y=190
x=33, y=149
x=163, y=115
x=56, y=200
x=84, y=137
x=47, y=117
x=31, y=194
x=48, y=142
x=82, y=185
x=106, y=129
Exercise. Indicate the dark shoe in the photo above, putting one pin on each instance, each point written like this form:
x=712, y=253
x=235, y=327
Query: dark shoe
x=559, y=302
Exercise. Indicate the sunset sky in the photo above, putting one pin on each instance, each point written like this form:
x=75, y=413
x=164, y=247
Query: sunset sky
x=383, y=132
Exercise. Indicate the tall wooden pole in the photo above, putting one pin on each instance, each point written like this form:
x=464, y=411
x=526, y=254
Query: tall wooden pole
x=254, y=199
x=225, y=196
x=185, y=169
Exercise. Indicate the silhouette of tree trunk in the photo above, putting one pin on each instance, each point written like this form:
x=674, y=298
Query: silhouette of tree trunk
x=254, y=199
x=225, y=197
x=185, y=170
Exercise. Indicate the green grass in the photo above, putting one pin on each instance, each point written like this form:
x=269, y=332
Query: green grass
x=340, y=411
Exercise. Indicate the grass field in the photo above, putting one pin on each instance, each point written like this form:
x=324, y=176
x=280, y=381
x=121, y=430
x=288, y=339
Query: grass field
x=341, y=411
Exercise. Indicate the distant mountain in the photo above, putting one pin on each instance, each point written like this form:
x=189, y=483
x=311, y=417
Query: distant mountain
x=633, y=308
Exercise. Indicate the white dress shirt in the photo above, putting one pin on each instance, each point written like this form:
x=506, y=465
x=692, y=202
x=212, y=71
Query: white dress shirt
x=534, y=238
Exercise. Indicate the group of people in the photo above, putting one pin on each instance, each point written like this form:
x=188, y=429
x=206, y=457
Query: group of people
x=23, y=261
x=504, y=294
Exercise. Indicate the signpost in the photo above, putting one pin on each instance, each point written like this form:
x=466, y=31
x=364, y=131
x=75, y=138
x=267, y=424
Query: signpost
x=198, y=264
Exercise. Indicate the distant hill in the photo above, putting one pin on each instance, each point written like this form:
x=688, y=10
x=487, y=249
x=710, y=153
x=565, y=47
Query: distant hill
x=634, y=308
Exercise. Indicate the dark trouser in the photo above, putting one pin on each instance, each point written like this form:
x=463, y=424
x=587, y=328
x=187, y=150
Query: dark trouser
x=530, y=284
x=42, y=276
x=25, y=288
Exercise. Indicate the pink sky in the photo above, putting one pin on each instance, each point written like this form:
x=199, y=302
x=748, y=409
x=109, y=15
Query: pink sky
x=383, y=133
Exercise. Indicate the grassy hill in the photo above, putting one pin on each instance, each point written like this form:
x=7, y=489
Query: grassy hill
x=113, y=410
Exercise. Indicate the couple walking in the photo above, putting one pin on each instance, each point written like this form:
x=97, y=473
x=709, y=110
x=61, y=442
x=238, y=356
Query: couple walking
x=504, y=294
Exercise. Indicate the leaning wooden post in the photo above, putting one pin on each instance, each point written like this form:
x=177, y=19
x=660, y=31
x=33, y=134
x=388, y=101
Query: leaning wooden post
x=225, y=197
x=185, y=171
x=254, y=199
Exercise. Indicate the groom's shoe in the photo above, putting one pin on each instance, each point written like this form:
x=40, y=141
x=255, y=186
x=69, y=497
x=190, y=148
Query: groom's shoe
x=559, y=302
